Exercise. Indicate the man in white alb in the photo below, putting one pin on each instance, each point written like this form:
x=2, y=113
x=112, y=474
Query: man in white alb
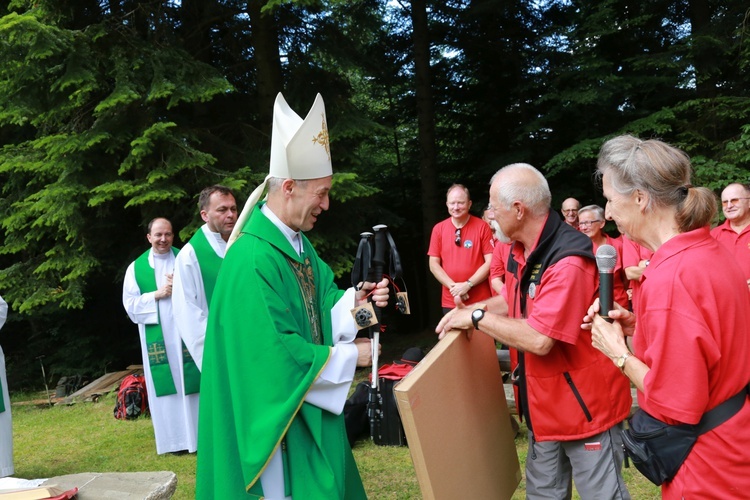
x=6, y=427
x=196, y=268
x=147, y=298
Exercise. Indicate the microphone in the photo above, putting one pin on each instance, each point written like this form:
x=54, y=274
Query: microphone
x=606, y=258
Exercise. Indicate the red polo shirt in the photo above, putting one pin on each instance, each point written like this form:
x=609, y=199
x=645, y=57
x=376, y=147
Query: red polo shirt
x=692, y=332
x=499, y=259
x=737, y=244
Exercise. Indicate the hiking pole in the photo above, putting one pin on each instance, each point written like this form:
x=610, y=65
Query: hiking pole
x=378, y=266
x=360, y=273
x=44, y=377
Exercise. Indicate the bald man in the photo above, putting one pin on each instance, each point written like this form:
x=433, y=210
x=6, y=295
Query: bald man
x=569, y=211
x=572, y=397
x=734, y=233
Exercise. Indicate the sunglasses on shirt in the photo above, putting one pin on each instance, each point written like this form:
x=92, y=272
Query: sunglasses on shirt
x=458, y=237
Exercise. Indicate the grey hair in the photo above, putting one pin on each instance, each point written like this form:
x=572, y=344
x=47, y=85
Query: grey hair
x=533, y=192
x=662, y=171
x=274, y=183
x=598, y=211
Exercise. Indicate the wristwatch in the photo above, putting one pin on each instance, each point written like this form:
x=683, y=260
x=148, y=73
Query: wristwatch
x=471, y=285
x=621, y=361
x=476, y=317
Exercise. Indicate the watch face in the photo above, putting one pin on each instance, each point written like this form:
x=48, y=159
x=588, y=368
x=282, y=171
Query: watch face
x=476, y=315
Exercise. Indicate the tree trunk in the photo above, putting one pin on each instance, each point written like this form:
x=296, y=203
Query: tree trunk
x=427, y=148
x=195, y=29
x=265, y=41
x=703, y=59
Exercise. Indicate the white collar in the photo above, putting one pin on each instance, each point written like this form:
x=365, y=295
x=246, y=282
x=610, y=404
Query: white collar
x=292, y=236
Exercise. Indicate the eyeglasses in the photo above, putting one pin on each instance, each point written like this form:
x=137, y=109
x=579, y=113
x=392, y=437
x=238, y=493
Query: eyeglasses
x=458, y=237
x=733, y=201
x=587, y=223
x=570, y=211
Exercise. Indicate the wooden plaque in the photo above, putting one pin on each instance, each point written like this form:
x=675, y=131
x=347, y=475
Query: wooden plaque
x=456, y=419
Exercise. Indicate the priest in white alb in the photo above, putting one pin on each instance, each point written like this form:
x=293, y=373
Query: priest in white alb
x=196, y=268
x=147, y=298
x=6, y=427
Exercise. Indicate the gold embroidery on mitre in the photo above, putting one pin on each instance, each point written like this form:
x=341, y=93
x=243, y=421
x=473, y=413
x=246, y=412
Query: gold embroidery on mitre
x=322, y=137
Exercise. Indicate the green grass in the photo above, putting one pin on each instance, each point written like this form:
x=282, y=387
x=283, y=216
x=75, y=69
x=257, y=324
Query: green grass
x=85, y=437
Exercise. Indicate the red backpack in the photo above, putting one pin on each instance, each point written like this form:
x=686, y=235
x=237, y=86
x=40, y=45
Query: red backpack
x=132, y=400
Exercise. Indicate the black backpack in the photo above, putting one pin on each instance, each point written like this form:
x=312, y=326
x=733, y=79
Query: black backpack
x=132, y=400
x=355, y=413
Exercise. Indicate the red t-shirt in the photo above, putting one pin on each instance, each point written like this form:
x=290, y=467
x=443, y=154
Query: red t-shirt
x=632, y=255
x=461, y=261
x=692, y=331
x=499, y=259
x=737, y=244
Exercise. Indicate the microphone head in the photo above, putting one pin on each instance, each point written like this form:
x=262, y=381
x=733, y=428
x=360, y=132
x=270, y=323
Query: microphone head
x=606, y=258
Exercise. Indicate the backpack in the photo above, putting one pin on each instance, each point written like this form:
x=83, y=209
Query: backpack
x=355, y=413
x=132, y=400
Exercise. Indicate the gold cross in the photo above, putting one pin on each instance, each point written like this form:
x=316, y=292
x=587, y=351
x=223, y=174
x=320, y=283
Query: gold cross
x=157, y=353
x=322, y=137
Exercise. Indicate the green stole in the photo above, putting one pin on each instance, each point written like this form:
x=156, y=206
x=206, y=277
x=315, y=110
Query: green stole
x=157, y=351
x=304, y=273
x=2, y=398
x=209, y=264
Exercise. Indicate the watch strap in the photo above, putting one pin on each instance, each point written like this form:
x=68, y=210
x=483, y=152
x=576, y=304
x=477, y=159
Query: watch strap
x=476, y=316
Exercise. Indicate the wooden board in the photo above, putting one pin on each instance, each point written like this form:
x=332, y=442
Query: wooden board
x=456, y=419
x=103, y=385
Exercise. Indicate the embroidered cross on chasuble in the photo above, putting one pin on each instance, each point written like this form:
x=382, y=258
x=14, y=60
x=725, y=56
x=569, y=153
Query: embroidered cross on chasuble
x=304, y=273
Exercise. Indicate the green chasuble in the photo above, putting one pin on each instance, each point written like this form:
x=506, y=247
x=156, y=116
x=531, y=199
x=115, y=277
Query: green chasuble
x=259, y=363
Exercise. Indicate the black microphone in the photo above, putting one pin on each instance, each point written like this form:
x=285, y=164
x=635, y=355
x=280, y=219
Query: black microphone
x=606, y=258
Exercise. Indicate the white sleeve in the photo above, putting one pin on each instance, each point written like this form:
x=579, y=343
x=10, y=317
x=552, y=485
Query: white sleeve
x=331, y=388
x=343, y=327
x=3, y=312
x=189, y=303
x=141, y=308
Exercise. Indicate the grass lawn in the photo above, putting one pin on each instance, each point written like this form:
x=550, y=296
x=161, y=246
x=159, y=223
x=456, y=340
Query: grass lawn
x=85, y=437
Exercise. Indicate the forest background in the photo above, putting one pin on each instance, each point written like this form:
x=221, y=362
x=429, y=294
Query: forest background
x=115, y=112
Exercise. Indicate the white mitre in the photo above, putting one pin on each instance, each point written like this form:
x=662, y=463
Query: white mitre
x=299, y=150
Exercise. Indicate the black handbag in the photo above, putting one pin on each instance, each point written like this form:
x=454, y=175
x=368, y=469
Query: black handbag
x=658, y=449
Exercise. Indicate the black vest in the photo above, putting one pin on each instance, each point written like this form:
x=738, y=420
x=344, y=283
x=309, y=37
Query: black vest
x=558, y=240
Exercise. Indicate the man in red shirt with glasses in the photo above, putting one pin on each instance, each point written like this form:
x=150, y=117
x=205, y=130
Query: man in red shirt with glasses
x=569, y=211
x=460, y=252
x=734, y=233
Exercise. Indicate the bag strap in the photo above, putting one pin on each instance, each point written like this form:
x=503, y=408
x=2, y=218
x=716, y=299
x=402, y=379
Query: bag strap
x=723, y=412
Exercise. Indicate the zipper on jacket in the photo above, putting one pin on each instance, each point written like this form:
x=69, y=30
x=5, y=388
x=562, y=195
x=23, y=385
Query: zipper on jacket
x=578, y=396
